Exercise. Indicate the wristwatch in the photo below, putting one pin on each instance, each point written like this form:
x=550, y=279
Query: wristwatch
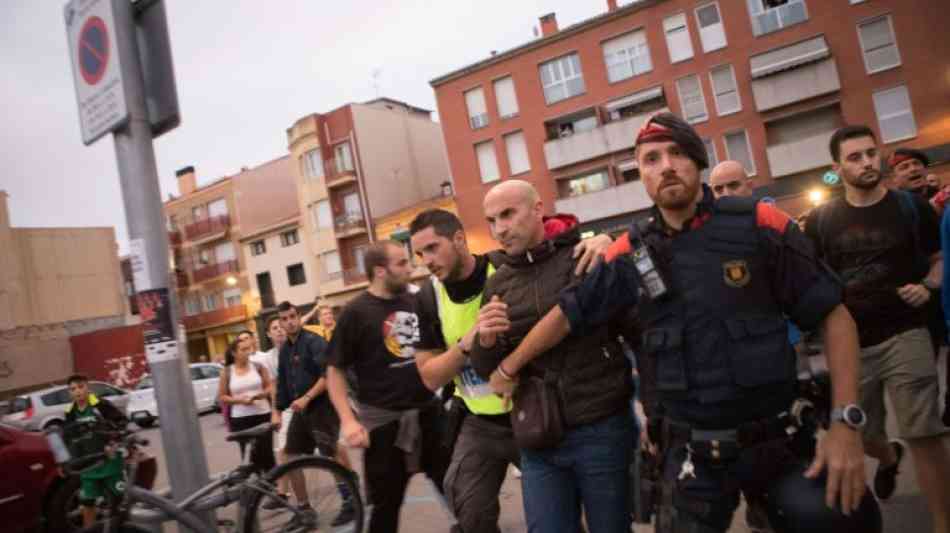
x=850, y=414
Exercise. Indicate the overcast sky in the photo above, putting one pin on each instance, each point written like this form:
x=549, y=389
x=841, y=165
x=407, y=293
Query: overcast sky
x=246, y=70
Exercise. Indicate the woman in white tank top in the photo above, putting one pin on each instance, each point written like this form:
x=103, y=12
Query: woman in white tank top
x=246, y=387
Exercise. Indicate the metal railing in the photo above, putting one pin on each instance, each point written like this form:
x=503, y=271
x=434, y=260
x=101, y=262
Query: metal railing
x=207, y=226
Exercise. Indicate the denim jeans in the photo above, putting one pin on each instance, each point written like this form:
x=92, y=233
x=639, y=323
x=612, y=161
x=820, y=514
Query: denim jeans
x=588, y=468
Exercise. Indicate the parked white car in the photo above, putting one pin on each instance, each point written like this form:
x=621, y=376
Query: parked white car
x=143, y=408
x=46, y=408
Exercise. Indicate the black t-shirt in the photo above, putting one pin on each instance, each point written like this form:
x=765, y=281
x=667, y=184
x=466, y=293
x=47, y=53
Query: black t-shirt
x=872, y=249
x=375, y=337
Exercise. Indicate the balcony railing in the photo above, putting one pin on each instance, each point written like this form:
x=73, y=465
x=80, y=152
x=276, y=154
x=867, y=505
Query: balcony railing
x=212, y=271
x=612, y=201
x=174, y=238
x=350, y=222
x=207, y=227
x=217, y=317
x=602, y=140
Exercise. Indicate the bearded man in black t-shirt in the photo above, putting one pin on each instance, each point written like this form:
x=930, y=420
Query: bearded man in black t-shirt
x=885, y=246
x=398, y=415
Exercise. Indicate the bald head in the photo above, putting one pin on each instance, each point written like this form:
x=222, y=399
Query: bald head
x=515, y=189
x=729, y=179
x=514, y=213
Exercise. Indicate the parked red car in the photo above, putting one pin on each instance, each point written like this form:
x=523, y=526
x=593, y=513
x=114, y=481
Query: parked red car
x=31, y=486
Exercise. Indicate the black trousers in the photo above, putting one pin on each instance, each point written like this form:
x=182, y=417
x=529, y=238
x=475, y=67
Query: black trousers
x=384, y=466
x=262, y=452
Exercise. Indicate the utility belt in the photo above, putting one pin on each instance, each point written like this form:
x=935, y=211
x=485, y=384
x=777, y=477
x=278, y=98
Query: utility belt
x=712, y=447
x=721, y=444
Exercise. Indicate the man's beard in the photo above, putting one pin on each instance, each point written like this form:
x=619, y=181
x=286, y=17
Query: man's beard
x=864, y=182
x=395, y=286
x=455, y=272
x=678, y=201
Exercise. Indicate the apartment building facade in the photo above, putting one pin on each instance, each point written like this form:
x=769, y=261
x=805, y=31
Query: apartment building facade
x=271, y=242
x=765, y=82
x=209, y=271
x=355, y=165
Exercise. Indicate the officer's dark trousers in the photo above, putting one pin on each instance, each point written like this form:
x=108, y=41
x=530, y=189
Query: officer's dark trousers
x=385, y=468
x=706, y=503
x=479, y=465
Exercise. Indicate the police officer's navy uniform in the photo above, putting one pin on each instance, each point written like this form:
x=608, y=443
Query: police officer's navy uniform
x=714, y=300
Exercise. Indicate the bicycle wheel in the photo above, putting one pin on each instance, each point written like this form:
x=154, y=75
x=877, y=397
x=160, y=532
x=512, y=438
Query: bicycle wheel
x=329, y=499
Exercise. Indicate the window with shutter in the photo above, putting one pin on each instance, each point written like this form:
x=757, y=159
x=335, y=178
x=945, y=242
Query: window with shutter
x=878, y=44
x=487, y=164
x=894, y=114
x=677, y=38
x=517, y=153
x=505, y=97
x=712, y=34
x=477, y=113
x=691, y=99
x=737, y=149
x=724, y=88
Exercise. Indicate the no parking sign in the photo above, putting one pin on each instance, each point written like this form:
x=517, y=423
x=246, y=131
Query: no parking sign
x=100, y=95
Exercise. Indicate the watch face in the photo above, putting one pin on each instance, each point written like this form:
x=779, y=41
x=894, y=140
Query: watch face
x=854, y=416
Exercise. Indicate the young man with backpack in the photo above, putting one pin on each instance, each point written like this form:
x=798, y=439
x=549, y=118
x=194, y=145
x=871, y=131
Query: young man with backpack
x=885, y=246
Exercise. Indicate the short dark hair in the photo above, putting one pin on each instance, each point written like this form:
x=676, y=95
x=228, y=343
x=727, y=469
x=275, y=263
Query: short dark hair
x=243, y=331
x=376, y=256
x=271, y=320
x=444, y=223
x=285, y=306
x=77, y=378
x=847, y=133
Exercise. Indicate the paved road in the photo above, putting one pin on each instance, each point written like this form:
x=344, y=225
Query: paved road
x=906, y=512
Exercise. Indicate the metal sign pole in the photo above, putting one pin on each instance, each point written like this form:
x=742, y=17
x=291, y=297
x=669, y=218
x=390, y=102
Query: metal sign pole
x=181, y=434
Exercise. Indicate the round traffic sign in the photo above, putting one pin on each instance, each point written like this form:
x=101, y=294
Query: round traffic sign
x=93, y=50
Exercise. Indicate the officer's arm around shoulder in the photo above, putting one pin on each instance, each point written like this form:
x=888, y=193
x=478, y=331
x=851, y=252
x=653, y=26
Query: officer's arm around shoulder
x=612, y=286
x=807, y=289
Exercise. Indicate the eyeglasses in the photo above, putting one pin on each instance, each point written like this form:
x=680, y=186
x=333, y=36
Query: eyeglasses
x=731, y=185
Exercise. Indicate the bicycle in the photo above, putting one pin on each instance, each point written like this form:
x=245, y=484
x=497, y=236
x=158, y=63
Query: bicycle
x=137, y=506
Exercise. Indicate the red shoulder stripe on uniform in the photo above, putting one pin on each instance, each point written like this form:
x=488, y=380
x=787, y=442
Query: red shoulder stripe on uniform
x=620, y=247
x=769, y=216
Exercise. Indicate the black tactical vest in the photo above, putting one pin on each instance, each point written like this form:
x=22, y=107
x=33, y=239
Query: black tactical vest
x=718, y=333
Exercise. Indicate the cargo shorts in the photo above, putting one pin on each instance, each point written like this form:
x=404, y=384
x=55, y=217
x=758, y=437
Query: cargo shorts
x=904, y=366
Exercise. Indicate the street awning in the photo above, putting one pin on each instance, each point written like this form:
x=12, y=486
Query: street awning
x=788, y=57
x=635, y=98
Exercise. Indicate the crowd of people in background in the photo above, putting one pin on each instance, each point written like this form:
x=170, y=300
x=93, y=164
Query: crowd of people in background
x=526, y=355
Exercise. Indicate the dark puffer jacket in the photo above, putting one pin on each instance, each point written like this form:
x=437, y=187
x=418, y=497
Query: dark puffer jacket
x=594, y=377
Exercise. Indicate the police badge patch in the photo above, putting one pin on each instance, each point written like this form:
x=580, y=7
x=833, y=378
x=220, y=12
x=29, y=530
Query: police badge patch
x=736, y=273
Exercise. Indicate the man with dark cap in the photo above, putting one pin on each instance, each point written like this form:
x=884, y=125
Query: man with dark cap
x=714, y=282
x=910, y=172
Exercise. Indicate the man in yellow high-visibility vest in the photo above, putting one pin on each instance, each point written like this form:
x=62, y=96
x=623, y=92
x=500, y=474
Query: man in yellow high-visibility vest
x=448, y=311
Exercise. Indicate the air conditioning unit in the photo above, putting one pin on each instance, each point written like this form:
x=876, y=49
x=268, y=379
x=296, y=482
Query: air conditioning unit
x=479, y=121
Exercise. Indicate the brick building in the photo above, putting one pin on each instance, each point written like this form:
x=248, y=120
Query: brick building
x=354, y=166
x=765, y=82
